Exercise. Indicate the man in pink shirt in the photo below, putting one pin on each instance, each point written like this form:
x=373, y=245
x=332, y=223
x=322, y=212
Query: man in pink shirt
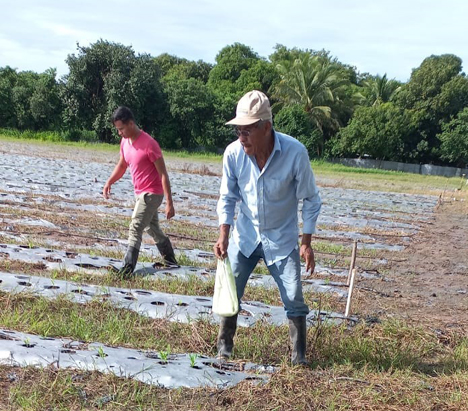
x=140, y=152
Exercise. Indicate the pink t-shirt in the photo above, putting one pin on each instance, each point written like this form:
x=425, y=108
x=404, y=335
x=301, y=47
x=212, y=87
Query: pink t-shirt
x=140, y=157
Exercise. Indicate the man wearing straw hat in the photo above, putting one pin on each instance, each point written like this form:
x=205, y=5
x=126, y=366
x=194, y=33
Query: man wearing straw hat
x=267, y=172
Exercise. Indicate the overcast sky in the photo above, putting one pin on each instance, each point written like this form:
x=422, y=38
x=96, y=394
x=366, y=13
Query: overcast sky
x=376, y=36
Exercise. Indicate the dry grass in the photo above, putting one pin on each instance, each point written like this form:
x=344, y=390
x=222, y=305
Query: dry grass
x=393, y=365
x=337, y=388
x=200, y=169
x=379, y=347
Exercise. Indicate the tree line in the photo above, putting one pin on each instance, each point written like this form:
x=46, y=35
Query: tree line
x=329, y=106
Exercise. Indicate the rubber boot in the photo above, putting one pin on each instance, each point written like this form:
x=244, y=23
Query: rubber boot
x=225, y=343
x=298, y=335
x=130, y=261
x=167, y=253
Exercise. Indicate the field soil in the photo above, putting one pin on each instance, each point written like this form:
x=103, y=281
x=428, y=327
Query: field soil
x=429, y=282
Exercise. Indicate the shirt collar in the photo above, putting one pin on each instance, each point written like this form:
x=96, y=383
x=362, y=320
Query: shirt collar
x=277, y=146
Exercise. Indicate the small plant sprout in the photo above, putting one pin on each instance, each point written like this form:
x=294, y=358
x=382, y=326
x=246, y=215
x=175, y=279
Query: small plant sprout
x=104, y=289
x=193, y=358
x=100, y=352
x=164, y=355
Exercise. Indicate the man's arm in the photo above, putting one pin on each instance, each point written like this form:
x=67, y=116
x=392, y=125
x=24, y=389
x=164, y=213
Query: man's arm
x=229, y=195
x=161, y=168
x=307, y=190
x=221, y=246
x=116, y=175
x=307, y=253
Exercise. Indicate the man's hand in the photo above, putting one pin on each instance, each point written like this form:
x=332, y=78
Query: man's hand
x=307, y=254
x=170, y=212
x=221, y=246
x=116, y=175
x=106, y=191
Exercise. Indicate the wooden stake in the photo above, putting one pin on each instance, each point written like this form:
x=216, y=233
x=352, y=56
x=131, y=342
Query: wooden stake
x=350, y=293
x=353, y=261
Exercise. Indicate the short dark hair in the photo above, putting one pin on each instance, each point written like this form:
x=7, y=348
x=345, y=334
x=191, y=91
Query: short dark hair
x=123, y=114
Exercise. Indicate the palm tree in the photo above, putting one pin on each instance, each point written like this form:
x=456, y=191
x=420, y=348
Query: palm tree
x=380, y=90
x=313, y=82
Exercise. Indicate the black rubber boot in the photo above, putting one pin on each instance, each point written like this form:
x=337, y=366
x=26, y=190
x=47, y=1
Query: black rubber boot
x=225, y=343
x=130, y=261
x=167, y=253
x=298, y=335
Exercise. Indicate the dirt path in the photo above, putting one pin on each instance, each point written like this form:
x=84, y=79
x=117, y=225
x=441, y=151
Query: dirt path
x=430, y=283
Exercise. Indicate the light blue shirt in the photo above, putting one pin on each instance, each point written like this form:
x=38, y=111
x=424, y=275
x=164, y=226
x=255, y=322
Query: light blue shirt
x=268, y=199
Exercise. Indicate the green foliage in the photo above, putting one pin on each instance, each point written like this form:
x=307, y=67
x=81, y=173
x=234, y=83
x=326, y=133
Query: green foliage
x=196, y=111
x=454, y=139
x=52, y=136
x=260, y=76
x=379, y=90
x=172, y=66
x=184, y=104
x=7, y=112
x=238, y=70
x=29, y=100
x=320, y=85
x=282, y=53
x=45, y=103
x=231, y=61
x=193, y=359
x=104, y=76
x=94, y=73
x=164, y=354
x=100, y=352
x=427, y=80
x=80, y=135
x=191, y=105
x=144, y=95
x=437, y=88
x=377, y=131
x=453, y=97
x=436, y=92
x=294, y=121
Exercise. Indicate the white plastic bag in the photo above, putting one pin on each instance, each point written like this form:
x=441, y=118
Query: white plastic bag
x=225, y=301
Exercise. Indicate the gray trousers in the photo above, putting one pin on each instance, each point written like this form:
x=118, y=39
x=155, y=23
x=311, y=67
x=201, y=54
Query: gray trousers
x=145, y=216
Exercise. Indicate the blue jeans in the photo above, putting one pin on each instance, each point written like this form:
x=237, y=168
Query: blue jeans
x=286, y=273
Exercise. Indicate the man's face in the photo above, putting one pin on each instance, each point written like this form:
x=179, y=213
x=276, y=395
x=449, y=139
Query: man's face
x=252, y=137
x=125, y=130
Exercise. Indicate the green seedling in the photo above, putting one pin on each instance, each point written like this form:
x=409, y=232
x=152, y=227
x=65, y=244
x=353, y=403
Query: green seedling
x=164, y=355
x=100, y=352
x=193, y=358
